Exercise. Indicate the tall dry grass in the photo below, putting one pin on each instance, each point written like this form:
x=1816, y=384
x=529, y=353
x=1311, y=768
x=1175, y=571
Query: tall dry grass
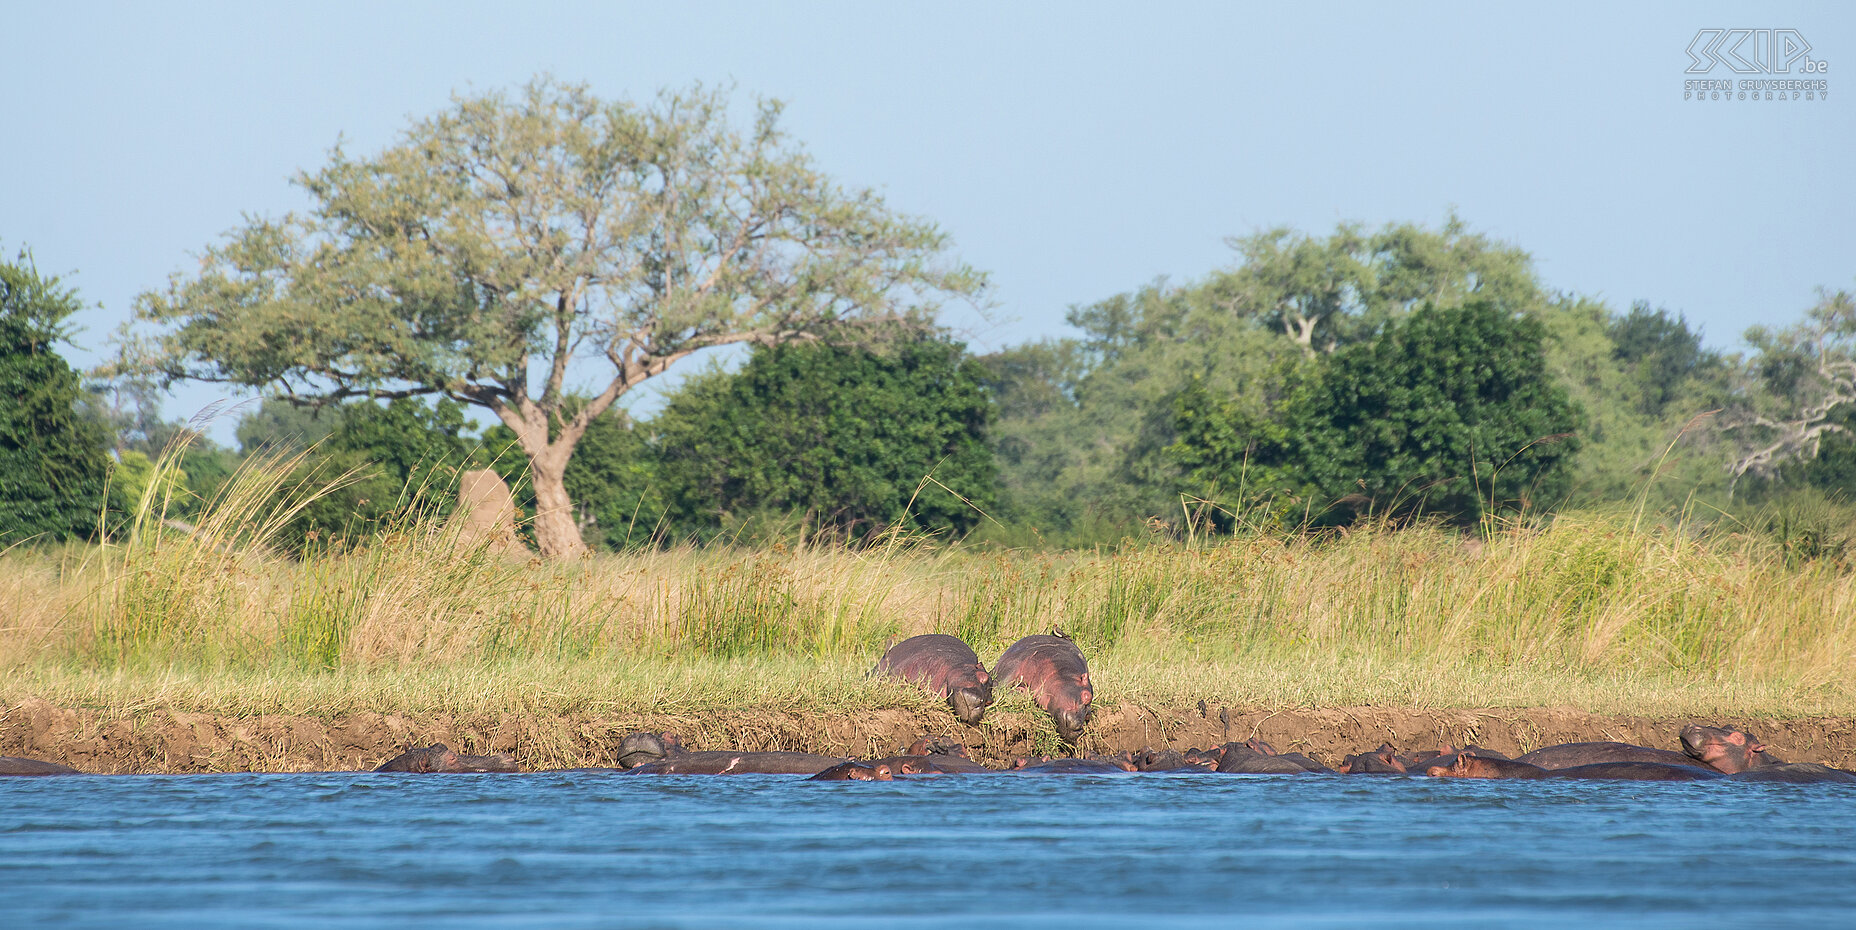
x=1605, y=611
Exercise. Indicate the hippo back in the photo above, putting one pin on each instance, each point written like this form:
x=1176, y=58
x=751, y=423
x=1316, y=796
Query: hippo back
x=1037, y=660
x=19, y=765
x=1053, y=670
x=1570, y=755
x=936, y=661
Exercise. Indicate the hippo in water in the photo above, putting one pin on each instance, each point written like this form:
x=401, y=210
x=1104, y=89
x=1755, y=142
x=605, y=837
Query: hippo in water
x=1794, y=773
x=440, y=758
x=932, y=755
x=1466, y=765
x=18, y=765
x=1637, y=771
x=642, y=748
x=1469, y=765
x=946, y=667
x=1256, y=757
x=1382, y=761
x=1727, y=749
x=1053, y=670
x=1571, y=755
x=855, y=771
x=1066, y=766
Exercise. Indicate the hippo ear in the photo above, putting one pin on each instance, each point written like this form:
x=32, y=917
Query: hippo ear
x=1736, y=737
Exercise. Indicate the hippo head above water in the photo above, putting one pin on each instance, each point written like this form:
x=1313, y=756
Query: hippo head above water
x=644, y=748
x=1728, y=749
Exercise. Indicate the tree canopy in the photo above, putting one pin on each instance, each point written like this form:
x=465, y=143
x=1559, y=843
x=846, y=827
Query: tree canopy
x=510, y=238
x=856, y=439
x=54, y=469
x=1448, y=411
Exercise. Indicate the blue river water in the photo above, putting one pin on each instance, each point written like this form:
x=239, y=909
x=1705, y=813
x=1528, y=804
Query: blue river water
x=1199, y=850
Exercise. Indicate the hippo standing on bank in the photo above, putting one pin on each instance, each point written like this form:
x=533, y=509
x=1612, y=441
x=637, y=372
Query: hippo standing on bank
x=945, y=666
x=1053, y=670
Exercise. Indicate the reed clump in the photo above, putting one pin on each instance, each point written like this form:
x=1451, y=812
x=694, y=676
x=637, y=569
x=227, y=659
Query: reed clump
x=1606, y=611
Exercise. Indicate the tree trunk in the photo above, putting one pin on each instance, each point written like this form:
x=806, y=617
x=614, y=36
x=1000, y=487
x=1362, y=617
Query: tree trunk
x=557, y=533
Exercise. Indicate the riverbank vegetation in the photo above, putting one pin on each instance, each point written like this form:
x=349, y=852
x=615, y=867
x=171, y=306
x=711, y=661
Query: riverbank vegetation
x=1612, y=612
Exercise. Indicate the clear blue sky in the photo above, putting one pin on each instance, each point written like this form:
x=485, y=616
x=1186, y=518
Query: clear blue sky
x=1073, y=151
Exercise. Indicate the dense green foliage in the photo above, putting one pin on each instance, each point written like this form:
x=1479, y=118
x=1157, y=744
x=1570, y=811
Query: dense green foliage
x=850, y=438
x=405, y=455
x=1446, y=411
x=54, y=471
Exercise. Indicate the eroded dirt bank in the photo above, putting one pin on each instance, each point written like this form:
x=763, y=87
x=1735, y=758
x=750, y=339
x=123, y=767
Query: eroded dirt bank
x=162, y=741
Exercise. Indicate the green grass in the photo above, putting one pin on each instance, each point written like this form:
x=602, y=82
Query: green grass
x=1603, y=612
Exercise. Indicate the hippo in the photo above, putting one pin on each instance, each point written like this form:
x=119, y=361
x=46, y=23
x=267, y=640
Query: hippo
x=932, y=745
x=1569, y=755
x=1069, y=767
x=933, y=755
x=1382, y=761
x=641, y=748
x=1170, y=760
x=1476, y=750
x=440, y=758
x=1255, y=757
x=728, y=762
x=1728, y=749
x=855, y=771
x=946, y=667
x=1053, y=670
x=1636, y=771
x=1206, y=759
x=18, y=765
x=1470, y=765
x=934, y=764
x=1794, y=773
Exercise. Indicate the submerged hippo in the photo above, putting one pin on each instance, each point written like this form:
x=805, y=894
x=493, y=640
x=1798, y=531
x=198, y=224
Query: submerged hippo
x=855, y=771
x=1727, y=749
x=641, y=748
x=1170, y=760
x=1570, y=755
x=1795, y=773
x=18, y=765
x=1637, y=771
x=1070, y=767
x=440, y=758
x=1382, y=761
x=946, y=667
x=1470, y=765
x=1053, y=670
x=1256, y=757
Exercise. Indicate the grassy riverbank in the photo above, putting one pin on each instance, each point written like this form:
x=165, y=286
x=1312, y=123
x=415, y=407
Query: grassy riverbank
x=1609, y=613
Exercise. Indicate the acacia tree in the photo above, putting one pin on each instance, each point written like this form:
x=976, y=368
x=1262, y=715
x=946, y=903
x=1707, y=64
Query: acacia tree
x=502, y=241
